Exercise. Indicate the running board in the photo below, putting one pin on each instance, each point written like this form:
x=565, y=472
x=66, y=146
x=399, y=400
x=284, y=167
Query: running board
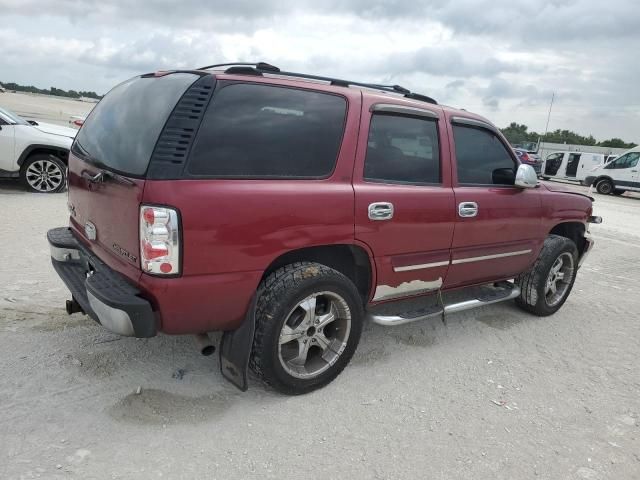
x=485, y=298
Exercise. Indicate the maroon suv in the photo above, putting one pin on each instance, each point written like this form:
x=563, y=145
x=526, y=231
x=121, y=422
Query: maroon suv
x=285, y=209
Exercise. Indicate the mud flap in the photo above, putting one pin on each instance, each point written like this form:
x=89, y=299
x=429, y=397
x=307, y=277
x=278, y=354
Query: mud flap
x=235, y=349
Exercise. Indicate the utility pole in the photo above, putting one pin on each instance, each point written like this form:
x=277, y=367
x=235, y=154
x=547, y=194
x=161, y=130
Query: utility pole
x=546, y=129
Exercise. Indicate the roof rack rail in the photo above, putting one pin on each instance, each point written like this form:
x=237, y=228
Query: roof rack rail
x=262, y=67
x=258, y=66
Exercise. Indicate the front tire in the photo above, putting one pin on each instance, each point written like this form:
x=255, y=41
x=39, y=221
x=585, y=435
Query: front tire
x=547, y=285
x=44, y=173
x=604, y=187
x=308, y=325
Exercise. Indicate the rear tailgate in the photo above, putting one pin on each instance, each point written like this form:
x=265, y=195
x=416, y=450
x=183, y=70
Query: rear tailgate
x=105, y=216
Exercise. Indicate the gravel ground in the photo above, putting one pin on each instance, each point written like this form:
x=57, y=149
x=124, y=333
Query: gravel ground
x=46, y=108
x=495, y=393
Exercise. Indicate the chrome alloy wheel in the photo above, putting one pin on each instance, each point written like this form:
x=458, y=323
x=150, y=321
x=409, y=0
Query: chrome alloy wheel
x=559, y=279
x=314, y=335
x=44, y=176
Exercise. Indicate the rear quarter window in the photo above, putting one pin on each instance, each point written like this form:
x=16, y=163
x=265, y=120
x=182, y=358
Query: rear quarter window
x=122, y=130
x=262, y=131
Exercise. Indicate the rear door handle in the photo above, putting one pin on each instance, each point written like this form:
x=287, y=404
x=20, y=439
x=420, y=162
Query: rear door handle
x=381, y=211
x=468, y=209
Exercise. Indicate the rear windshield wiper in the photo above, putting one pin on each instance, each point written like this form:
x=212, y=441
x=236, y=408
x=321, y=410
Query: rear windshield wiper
x=104, y=175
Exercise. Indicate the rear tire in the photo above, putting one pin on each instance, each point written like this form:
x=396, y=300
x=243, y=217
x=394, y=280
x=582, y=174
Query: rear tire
x=618, y=192
x=308, y=325
x=44, y=173
x=545, y=178
x=547, y=285
x=604, y=187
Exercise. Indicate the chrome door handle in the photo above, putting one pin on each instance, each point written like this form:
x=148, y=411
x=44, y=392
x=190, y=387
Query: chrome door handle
x=468, y=209
x=381, y=211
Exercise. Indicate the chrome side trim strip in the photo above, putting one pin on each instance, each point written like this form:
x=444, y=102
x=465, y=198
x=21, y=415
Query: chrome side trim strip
x=489, y=257
x=392, y=320
x=474, y=303
x=421, y=266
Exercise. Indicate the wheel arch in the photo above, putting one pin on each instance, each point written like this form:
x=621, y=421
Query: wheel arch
x=574, y=231
x=352, y=260
x=36, y=149
x=604, y=177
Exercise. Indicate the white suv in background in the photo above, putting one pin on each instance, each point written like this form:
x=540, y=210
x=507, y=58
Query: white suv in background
x=34, y=152
x=618, y=175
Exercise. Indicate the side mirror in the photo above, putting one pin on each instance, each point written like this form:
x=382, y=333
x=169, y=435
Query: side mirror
x=526, y=177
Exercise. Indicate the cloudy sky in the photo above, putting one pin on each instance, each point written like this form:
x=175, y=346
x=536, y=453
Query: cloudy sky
x=500, y=58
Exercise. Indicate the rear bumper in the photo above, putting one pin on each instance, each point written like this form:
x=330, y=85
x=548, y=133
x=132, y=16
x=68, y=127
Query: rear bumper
x=104, y=295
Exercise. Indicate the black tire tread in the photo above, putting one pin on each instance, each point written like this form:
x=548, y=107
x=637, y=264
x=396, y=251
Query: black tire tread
x=270, y=291
x=534, y=279
x=604, y=180
x=42, y=156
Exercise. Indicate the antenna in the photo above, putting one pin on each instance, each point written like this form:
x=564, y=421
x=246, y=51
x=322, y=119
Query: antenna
x=546, y=129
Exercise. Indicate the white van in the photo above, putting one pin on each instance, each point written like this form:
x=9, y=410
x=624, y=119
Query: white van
x=619, y=175
x=572, y=166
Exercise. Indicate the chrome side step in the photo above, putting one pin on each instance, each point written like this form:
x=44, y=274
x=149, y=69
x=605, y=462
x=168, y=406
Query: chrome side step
x=499, y=295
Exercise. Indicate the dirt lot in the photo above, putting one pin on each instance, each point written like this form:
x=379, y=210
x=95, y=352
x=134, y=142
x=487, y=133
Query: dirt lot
x=494, y=394
x=46, y=108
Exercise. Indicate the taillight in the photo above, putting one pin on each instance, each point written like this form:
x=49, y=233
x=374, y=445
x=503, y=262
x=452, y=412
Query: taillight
x=525, y=157
x=159, y=240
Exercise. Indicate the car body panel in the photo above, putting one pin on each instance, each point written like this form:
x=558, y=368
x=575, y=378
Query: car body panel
x=24, y=137
x=622, y=178
x=411, y=250
x=113, y=210
x=7, y=147
x=571, y=166
x=232, y=230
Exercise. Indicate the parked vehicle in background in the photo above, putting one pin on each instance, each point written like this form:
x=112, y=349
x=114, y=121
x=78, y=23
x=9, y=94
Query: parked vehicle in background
x=2, y=89
x=76, y=121
x=529, y=159
x=617, y=176
x=284, y=209
x=35, y=152
x=571, y=166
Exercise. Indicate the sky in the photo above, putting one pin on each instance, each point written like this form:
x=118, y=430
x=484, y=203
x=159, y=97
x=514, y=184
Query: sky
x=501, y=58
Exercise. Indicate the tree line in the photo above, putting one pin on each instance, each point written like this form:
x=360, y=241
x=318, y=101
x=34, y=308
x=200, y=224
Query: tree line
x=519, y=133
x=51, y=91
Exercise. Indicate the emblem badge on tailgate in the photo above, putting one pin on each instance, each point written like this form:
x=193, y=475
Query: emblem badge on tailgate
x=90, y=231
x=124, y=252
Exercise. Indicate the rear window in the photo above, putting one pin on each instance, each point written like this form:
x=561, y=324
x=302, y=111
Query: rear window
x=122, y=130
x=261, y=131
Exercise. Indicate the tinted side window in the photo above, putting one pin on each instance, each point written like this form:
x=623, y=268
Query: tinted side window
x=481, y=157
x=402, y=149
x=260, y=131
x=626, y=161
